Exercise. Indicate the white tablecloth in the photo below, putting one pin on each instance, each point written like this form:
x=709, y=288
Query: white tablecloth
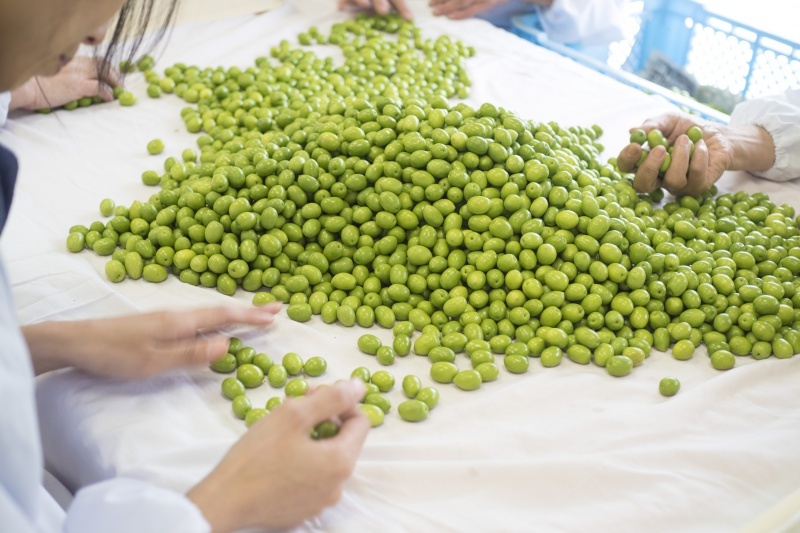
x=564, y=449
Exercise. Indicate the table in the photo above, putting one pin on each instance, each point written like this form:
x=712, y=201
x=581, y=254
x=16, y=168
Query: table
x=564, y=449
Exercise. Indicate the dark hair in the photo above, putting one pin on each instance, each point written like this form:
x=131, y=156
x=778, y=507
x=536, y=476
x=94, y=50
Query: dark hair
x=140, y=26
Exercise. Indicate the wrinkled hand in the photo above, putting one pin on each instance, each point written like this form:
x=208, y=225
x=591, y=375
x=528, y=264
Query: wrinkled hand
x=277, y=476
x=463, y=9
x=713, y=155
x=76, y=79
x=382, y=7
x=139, y=346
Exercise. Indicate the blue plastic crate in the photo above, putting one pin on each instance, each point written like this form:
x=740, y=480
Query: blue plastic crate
x=680, y=37
x=716, y=50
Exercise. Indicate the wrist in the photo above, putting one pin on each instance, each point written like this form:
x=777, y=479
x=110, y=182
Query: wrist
x=52, y=345
x=23, y=96
x=210, y=498
x=752, y=146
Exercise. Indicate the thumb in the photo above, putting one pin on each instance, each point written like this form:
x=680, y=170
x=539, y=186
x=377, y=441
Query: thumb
x=628, y=157
x=331, y=402
x=201, y=351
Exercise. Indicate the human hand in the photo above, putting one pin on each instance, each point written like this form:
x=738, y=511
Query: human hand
x=462, y=9
x=686, y=175
x=277, y=475
x=139, y=346
x=78, y=78
x=382, y=7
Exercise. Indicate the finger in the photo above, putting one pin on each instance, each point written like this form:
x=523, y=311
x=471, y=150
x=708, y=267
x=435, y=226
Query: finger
x=699, y=178
x=680, y=127
x=95, y=88
x=217, y=317
x=402, y=7
x=470, y=12
x=628, y=157
x=113, y=76
x=338, y=400
x=382, y=7
x=447, y=7
x=660, y=122
x=675, y=177
x=84, y=66
x=671, y=125
x=352, y=433
x=646, y=183
x=105, y=92
x=647, y=173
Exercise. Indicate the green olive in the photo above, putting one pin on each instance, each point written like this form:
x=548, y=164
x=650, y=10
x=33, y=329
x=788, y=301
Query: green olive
x=413, y=410
x=383, y=380
x=468, y=380
x=241, y=406
x=411, y=386
x=516, y=364
x=250, y=375
x=296, y=387
x=669, y=386
x=369, y=344
x=374, y=413
x=254, y=415
x=277, y=376
x=619, y=366
x=293, y=363
x=232, y=387
x=378, y=400
x=443, y=372
x=315, y=366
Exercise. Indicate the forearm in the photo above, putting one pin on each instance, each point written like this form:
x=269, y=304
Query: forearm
x=753, y=148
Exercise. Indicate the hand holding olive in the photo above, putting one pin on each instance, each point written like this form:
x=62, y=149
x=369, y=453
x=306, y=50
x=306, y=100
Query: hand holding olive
x=77, y=79
x=278, y=475
x=694, y=167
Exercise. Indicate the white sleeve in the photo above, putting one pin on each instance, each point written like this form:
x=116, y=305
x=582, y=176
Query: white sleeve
x=780, y=116
x=589, y=22
x=132, y=506
x=5, y=100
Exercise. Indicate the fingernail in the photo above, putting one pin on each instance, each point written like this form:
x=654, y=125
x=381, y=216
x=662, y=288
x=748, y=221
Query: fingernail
x=659, y=151
x=358, y=386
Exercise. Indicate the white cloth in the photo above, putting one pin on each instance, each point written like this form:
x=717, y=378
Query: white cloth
x=565, y=450
x=584, y=22
x=780, y=116
x=5, y=101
